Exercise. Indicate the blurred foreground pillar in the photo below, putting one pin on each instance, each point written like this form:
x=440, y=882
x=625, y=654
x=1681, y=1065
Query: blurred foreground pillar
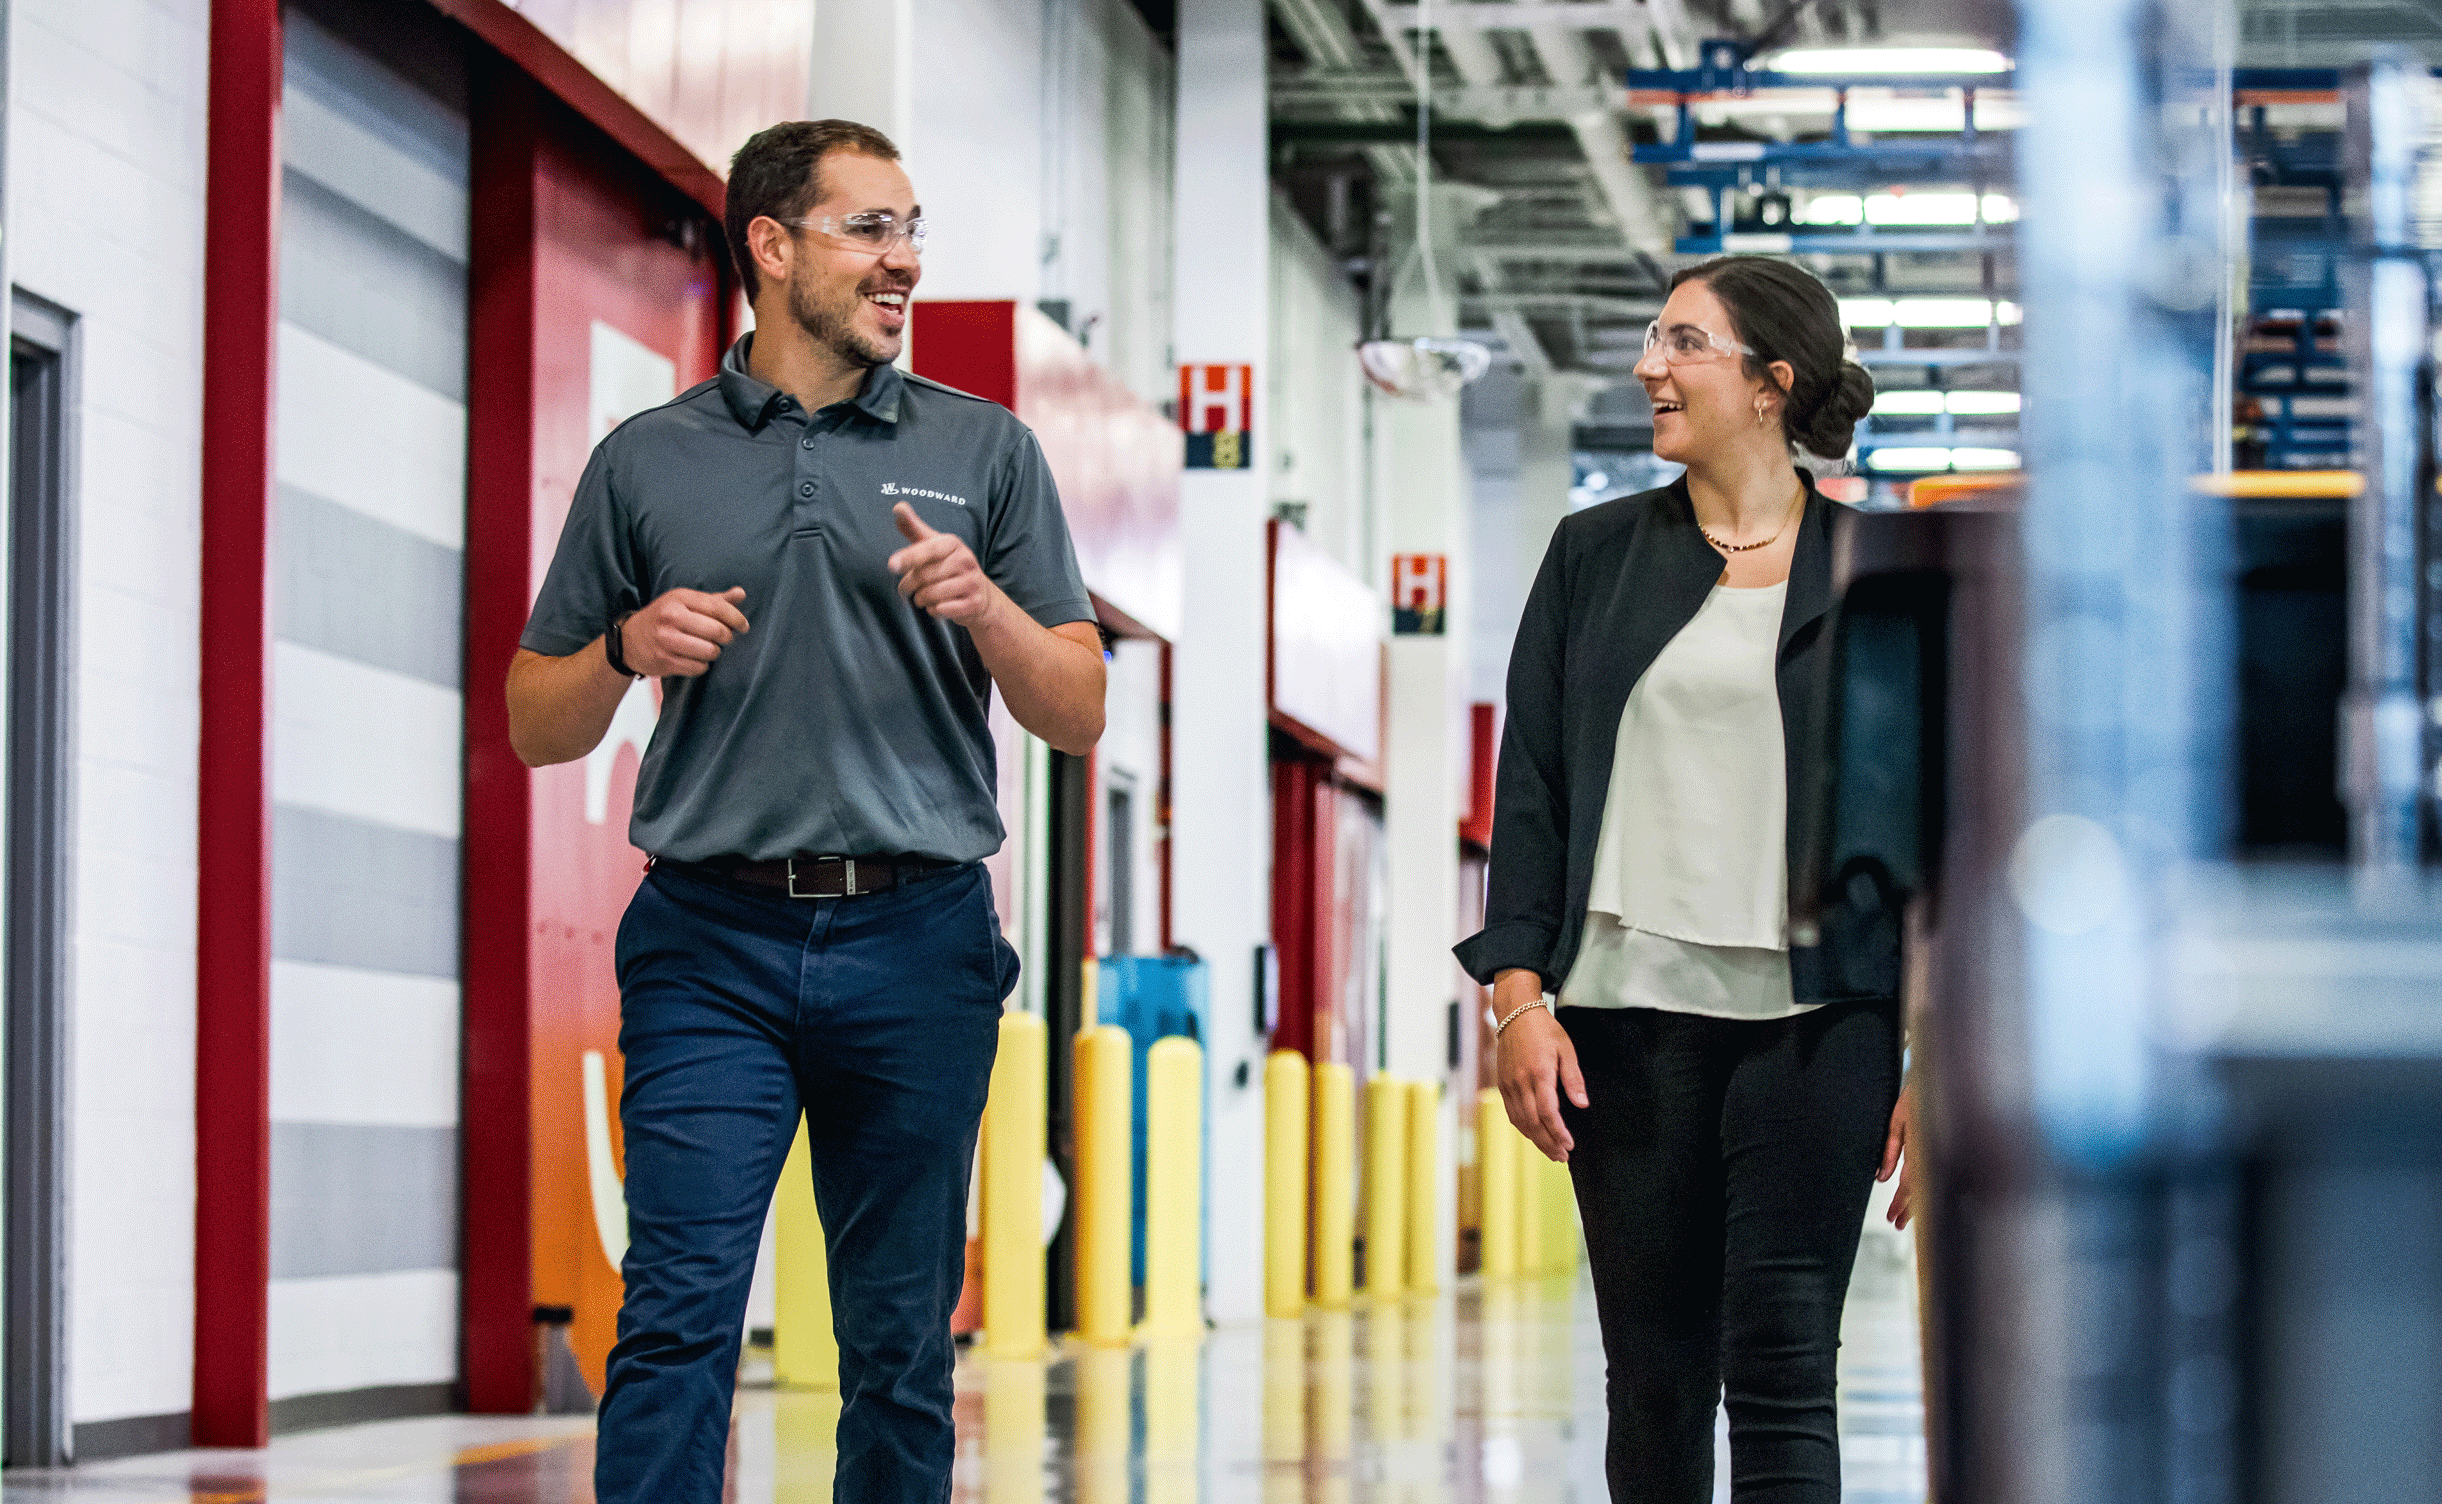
x=1220, y=857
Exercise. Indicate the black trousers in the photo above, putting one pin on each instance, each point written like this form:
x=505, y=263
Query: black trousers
x=1723, y=1169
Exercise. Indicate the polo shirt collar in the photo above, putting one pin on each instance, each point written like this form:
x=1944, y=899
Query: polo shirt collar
x=752, y=402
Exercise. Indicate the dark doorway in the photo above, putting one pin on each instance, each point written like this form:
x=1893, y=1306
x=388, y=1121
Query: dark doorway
x=35, y=1024
x=2293, y=639
x=1119, y=864
x=1064, y=999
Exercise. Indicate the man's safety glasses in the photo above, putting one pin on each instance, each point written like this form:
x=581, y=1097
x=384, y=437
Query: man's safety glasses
x=1686, y=344
x=876, y=230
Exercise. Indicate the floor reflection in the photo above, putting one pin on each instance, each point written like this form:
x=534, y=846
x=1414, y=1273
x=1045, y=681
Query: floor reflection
x=1484, y=1396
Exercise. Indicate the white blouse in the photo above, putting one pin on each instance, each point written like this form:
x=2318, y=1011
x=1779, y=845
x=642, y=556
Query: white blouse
x=1689, y=910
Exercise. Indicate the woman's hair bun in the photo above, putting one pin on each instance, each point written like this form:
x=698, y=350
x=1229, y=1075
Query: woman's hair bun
x=1832, y=427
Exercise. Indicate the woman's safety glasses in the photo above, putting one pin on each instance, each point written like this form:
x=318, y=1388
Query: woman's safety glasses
x=1686, y=344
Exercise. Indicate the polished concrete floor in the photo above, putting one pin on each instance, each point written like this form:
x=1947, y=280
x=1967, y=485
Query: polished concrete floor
x=1480, y=1396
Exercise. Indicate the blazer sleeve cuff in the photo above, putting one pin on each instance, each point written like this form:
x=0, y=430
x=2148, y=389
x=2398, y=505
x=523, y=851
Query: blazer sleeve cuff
x=1498, y=947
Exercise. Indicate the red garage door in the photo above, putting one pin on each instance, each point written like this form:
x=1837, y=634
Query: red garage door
x=598, y=292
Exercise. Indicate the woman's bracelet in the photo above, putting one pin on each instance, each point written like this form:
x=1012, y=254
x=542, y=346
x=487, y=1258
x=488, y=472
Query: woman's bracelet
x=1515, y=1012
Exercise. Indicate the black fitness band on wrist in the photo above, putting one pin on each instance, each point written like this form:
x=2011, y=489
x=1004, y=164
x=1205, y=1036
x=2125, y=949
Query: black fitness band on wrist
x=611, y=648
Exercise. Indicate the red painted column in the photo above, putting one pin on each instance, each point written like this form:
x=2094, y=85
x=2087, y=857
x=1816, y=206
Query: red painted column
x=233, y=827
x=496, y=1306
x=1296, y=877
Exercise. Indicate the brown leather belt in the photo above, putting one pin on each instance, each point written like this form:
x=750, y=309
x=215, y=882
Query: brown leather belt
x=814, y=876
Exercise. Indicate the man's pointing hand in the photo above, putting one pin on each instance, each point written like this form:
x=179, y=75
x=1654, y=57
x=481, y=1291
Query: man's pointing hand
x=938, y=572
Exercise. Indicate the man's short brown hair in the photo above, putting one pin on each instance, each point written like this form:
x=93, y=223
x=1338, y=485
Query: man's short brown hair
x=776, y=173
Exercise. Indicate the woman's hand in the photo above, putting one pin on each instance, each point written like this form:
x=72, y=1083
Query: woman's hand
x=1897, y=1160
x=1534, y=1062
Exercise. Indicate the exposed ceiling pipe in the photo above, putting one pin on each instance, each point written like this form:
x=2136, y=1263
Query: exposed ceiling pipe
x=1673, y=34
x=1519, y=336
x=1322, y=33
x=1644, y=223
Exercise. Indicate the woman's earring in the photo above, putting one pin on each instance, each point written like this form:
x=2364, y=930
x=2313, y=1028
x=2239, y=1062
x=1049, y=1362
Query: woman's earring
x=1759, y=415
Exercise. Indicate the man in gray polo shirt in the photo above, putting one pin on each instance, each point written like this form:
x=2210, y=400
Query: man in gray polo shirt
x=829, y=566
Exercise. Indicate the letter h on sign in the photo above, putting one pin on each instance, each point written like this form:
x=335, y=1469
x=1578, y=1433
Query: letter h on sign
x=1420, y=585
x=1217, y=411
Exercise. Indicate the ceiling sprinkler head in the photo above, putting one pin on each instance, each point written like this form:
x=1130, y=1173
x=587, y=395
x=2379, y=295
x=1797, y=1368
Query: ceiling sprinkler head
x=1422, y=368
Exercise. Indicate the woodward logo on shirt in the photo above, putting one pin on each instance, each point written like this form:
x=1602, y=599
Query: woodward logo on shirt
x=893, y=488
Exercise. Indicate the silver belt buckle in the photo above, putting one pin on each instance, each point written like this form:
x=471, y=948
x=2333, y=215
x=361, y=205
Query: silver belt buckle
x=848, y=889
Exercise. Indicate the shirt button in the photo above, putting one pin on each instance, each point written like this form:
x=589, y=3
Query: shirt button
x=806, y=489
x=808, y=441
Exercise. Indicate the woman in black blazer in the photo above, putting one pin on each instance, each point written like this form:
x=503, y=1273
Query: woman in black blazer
x=1724, y=1096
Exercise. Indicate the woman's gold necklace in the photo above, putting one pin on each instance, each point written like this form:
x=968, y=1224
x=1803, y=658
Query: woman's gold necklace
x=1740, y=548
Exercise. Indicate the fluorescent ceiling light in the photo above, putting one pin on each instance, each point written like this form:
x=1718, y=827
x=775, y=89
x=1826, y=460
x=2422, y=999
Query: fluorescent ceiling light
x=1909, y=209
x=1861, y=60
x=1907, y=404
x=1925, y=403
x=1925, y=313
x=1984, y=404
x=1908, y=461
x=1984, y=459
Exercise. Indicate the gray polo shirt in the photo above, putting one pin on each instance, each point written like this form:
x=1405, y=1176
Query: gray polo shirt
x=846, y=721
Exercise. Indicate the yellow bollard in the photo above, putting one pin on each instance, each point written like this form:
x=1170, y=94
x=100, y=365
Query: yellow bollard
x=1335, y=1189
x=1386, y=1187
x=1559, y=1218
x=1013, y=1151
x=1174, y=1189
x=1496, y=1167
x=805, y=1352
x=1104, y=1289
x=1424, y=1187
x=1531, y=1188
x=1285, y=1122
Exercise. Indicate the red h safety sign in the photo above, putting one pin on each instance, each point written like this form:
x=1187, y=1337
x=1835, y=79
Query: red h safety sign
x=1217, y=399
x=1420, y=586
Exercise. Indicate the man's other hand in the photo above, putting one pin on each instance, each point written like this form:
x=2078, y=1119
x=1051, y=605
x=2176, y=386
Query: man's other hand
x=938, y=572
x=683, y=632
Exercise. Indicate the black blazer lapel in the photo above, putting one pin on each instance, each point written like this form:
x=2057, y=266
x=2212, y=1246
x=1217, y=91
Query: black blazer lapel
x=1653, y=588
x=1809, y=566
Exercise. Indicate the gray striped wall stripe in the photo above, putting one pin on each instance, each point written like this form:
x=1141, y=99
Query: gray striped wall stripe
x=367, y=286
x=348, y=892
x=352, y=1199
x=392, y=132
x=356, y=586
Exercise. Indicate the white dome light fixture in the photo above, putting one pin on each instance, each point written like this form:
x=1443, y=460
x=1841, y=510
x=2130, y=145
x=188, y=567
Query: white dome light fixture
x=1428, y=366
x=1425, y=367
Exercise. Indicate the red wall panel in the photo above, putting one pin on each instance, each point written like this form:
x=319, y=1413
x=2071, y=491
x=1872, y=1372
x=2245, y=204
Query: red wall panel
x=1117, y=461
x=580, y=238
x=710, y=72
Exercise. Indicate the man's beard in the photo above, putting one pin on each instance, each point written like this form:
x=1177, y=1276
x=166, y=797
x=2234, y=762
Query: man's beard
x=834, y=329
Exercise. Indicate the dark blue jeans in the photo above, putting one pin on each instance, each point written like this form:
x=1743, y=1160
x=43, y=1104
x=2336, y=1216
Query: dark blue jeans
x=877, y=1017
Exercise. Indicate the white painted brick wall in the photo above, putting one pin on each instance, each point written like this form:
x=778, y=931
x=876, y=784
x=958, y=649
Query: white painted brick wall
x=106, y=134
